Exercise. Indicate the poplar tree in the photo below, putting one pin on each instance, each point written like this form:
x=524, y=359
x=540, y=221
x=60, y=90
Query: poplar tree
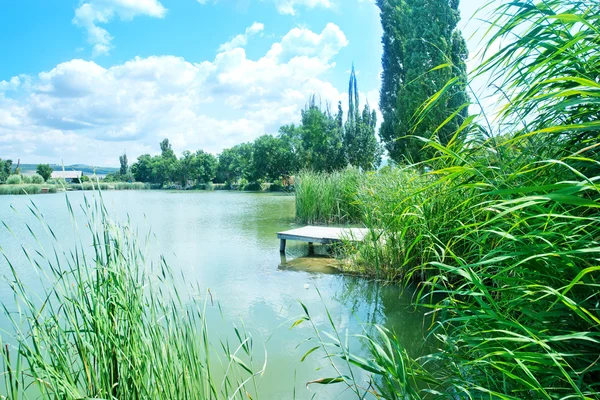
x=420, y=35
x=360, y=142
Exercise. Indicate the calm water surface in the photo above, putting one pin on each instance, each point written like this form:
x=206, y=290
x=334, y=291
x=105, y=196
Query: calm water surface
x=226, y=242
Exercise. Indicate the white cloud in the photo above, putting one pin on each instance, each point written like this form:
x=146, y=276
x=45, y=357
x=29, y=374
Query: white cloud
x=304, y=42
x=290, y=6
x=82, y=112
x=242, y=39
x=91, y=13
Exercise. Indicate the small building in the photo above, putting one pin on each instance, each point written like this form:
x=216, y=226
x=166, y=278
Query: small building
x=68, y=176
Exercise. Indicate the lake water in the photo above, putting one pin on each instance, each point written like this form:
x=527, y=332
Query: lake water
x=226, y=242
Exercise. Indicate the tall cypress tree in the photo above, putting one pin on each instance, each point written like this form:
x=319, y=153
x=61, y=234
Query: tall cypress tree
x=420, y=35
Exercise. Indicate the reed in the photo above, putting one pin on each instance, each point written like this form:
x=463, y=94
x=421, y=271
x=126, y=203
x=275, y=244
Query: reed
x=503, y=233
x=26, y=189
x=113, y=324
x=323, y=198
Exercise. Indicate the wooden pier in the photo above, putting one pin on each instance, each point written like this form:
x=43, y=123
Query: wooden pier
x=320, y=234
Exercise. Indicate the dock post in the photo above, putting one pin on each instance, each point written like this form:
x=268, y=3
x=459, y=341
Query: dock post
x=282, y=246
x=311, y=248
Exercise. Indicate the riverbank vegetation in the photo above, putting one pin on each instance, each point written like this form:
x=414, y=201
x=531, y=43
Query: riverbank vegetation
x=500, y=221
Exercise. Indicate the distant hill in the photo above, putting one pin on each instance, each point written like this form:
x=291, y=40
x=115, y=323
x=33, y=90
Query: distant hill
x=86, y=169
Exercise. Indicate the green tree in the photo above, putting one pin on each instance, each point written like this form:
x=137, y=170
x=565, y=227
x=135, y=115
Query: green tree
x=124, y=165
x=205, y=167
x=166, y=150
x=273, y=158
x=420, y=35
x=142, y=168
x=5, y=167
x=44, y=170
x=322, y=140
x=235, y=164
x=360, y=143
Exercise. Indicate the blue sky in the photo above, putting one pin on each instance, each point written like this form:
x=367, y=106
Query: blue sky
x=83, y=81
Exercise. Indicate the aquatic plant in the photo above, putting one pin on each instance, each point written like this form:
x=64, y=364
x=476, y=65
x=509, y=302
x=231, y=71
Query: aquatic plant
x=26, y=189
x=323, y=198
x=110, y=323
x=504, y=232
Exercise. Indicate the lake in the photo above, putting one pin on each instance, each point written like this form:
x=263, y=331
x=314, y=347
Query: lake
x=226, y=242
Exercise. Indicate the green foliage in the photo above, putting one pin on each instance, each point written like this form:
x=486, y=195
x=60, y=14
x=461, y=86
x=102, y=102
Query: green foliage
x=26, y=189
x=44, y=170
x=322, y=139
x=124, y=169
x=115, y=325
x=360, y=142
x=503, y=233
x=327, y=197
x=272, y=158
x=26, y=179
x=423, y=53
x=37, y=179
x=14, y=180
x=5, y=168
x=234, y=164
x=197, y=167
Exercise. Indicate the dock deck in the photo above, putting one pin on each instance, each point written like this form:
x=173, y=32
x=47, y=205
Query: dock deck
x=320, y=234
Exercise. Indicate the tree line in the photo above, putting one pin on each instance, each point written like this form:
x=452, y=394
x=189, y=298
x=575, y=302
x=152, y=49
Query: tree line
x=44, y=171
x=322, y=142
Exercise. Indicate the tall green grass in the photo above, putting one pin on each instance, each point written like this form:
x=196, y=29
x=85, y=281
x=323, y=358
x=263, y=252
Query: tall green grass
x=505, y=226
x=323, y=198
x=26, y=189
x=110, y=186
x=109, y=324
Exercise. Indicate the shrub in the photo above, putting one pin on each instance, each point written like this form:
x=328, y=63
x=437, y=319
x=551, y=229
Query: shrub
x=37, y=179
x=276, y=187
x=253, y=187
x=14, y=180
x=26, y=179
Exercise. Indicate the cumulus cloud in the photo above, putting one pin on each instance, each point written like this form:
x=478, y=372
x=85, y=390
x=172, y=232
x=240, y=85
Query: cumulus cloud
x=242, y=39
x=83, y=112
x=92, y=13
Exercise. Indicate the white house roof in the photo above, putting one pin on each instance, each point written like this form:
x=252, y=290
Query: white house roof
x=66, y=174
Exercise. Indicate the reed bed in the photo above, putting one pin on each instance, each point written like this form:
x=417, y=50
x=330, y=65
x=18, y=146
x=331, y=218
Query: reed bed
x=503, y=231
x=111, y=324
x=323, y=198
x=110, y=186
x=26, y=189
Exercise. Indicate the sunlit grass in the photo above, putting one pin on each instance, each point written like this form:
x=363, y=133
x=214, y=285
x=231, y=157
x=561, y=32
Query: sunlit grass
x=323, y=198
x=111, y=323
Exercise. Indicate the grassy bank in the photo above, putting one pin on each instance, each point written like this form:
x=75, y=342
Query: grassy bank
x=112, y=324
x=502, y=225
x=27, y=189
x=57, y=187
x=110, y=186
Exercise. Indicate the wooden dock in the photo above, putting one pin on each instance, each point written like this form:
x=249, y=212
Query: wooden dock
x=323, y=235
